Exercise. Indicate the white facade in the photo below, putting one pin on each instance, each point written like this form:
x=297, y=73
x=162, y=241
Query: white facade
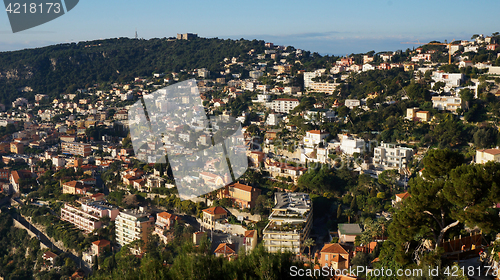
x=283, y=105
x=450, y=103
x=132, y=225
x=314, y=137
x=273, y=119
x=450, y=79
x=392, y=156
x=351, y=103
x=308, y=76
x=350, y=145
x=320, y=115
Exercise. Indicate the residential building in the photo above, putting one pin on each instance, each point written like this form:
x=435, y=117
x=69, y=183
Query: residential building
x=71, y=187
x=308, y=76
x=415, y=114
x=16, y=176
x=242, y=196
x=289, y=224
x=327, y=88
x=485, y=155
x=256, y=158
x=97, y=248
x=250, y=240
x=16, y=148
x=255, y=74
x=282, y=169
x=76, y=149
x=283, y=105
x=392, y=156
x=450, y=103
x=427, y=57
x=226, y=250
x=400, y=197
x=133, y=225
x=450, y=79
x=314, y=137
x=352, y=103
x=164, y=221
x=87, y=222
x=350, y=145
x=213, y=215
x=320, y=115
x=348, y=232
x=335, y=256
x=273, y=119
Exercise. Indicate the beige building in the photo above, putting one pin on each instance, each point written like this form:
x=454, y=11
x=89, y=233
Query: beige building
x=213, y=215
x=76, y=149
x=485, y=155
x=87, y=222
x=243, y=196
x=250, y=240
x=289, y=223
x=133, y=225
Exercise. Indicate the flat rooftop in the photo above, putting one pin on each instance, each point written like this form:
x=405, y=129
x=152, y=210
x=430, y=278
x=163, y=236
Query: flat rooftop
x=292, y=201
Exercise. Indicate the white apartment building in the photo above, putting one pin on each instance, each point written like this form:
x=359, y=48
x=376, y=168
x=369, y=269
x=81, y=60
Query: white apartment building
x=450, y=79
x=289, y=223
x=133, y=225
x=450, y=103
x=314, y=137
x=321, y=115
x=283, y=105
x=84, y=221
x=352, y=103
x=203, y=73
x=308, y=76
x=274, y=119
x=350, y=145
x=392, y=156
x=86, y=217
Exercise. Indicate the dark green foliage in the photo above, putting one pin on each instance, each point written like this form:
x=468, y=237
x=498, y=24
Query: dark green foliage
x=66, y=67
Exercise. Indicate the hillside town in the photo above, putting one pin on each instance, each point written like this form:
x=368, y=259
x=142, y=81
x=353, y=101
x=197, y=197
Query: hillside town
x=338, y=151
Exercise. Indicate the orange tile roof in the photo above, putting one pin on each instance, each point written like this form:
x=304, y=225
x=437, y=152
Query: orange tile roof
x=491, y=151
x=215, y=210
x=225, y=248
x=242, y=187
x=167, y=215
x=249, y=233
x=403, y=195
x=101, y=243
x=334, y=248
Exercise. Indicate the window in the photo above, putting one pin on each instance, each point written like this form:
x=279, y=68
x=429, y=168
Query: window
x=326, y=257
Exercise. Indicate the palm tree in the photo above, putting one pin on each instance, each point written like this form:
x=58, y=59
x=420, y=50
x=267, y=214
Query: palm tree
x=309, y=243
x=349, y=213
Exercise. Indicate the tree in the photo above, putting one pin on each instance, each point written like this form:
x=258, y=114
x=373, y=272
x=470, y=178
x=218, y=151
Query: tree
x=438, y=163
x=309, y=243
x=467, y=96
x=439, y=203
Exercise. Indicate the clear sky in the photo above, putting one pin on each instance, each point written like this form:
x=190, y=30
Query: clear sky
x=329, y=26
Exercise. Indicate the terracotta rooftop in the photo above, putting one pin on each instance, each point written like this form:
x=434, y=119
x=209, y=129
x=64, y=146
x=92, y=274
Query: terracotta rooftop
x=334, y=248
x=217, y=210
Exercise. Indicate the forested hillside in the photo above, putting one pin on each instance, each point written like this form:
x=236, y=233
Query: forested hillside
x=55, y=69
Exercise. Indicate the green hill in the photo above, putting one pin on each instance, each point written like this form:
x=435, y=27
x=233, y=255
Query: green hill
x=59, y=69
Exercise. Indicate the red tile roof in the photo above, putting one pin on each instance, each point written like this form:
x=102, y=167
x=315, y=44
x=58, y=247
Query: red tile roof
x=334, y=248
x=225, y=248
x=215, y=210
x=249, y=233
x=101, y=243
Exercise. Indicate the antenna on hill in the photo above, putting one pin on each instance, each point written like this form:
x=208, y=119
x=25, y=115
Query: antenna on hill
x=136, y=33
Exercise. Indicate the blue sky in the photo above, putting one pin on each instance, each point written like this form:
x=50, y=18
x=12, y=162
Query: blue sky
x=335, y=27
